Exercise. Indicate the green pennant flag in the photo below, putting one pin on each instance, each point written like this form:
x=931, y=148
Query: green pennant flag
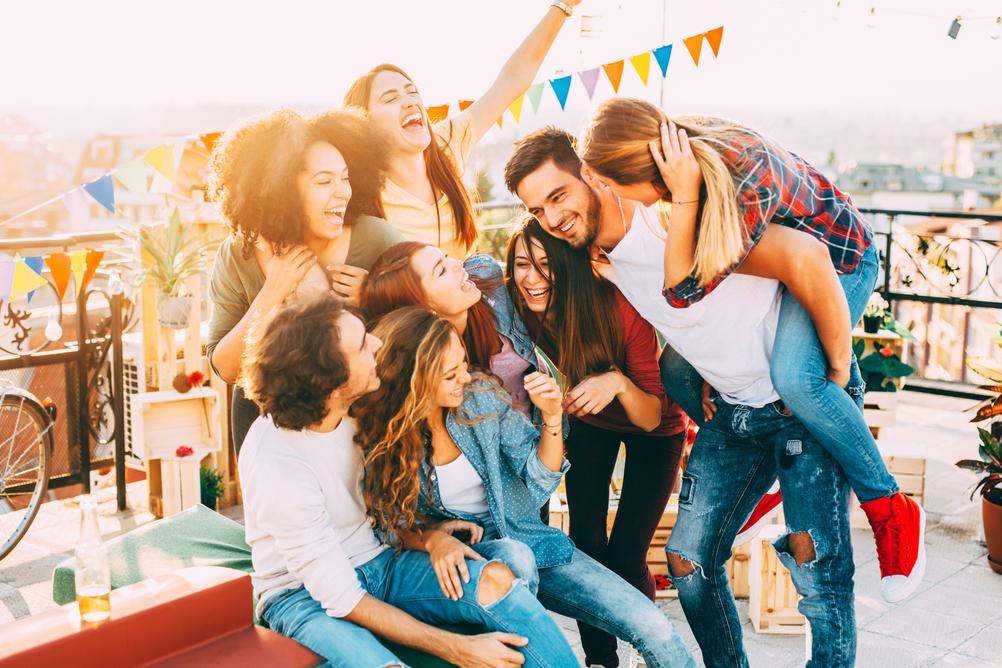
x=535, y=94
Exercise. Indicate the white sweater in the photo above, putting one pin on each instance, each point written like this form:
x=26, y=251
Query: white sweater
x=304, y=515
x=727, y=336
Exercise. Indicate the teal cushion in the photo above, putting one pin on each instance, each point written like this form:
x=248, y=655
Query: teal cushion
x=194, y=537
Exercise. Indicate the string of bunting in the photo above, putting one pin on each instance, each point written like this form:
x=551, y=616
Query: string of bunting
x=22, y=275
x=158, y=169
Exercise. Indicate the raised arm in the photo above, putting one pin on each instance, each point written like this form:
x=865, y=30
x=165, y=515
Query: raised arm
x=682, y=176
x=804, y=266
x=518, y=73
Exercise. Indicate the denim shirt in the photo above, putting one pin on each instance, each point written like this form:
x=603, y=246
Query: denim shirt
x=484, y=268
x=501, y=445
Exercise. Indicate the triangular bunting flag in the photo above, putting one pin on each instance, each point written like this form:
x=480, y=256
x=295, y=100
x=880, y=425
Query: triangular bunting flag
x=161, y=158
x=516, y=107
x=133, y=176
x=37, y=264
x=501, y=121
x=59, y=267
x=589, y=78
x=6, y=277
x=561, y=88
x=642, y=64
x=535, y=94
x=662, y=54
x=695, y=45
x=438, y=113
x=615, y=73
x=92, y=262
x=713, y=38
x=25, y=280
x=209, y=141
x=463, y=104
x=103, y=191
x=77, y=203
x=78, y=262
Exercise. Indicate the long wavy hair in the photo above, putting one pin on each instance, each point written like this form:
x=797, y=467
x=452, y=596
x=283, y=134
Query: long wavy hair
x=392, y=421
x=393, y=283
x=440, y=166
x=581, y=322
x=616, y=146
x=256, y=165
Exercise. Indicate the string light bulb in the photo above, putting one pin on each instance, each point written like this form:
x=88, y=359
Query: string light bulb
x=954, y=28
x=871, y=17
x=997, y=28
x=53, y=330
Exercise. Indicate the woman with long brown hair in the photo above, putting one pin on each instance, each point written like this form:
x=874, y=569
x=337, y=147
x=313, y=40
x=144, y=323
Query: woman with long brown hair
x=443, y=444
x=424, y=196
x=741, y=203
x=609, y=356
x=282, y=183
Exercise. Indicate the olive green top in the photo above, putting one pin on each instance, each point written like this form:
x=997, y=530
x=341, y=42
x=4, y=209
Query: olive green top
x=236, y=280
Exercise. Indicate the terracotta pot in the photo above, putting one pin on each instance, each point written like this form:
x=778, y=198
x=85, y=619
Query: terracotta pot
x=871, y=323
x=172, y=312
x=991, y=514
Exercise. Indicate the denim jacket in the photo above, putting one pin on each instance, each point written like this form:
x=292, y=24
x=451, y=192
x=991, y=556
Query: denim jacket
x=500, y=444
x=485, y=269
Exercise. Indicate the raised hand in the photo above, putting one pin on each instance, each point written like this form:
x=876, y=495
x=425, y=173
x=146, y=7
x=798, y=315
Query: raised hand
x=678, y=166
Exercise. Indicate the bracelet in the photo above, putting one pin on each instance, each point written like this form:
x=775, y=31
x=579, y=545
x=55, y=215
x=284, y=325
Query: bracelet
x=554, y=428
x=564, y=7
x=691, y=201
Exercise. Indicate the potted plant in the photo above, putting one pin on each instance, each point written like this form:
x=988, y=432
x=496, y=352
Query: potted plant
x=881, y=371
x=990, y=462
x=172, y=256
x=873, y=315
x=212, y=486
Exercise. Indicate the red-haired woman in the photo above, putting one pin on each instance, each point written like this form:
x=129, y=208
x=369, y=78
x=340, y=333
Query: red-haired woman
x=424, y=196
x=282, y=183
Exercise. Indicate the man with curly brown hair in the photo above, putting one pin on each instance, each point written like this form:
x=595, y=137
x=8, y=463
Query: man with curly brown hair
x=322, y=576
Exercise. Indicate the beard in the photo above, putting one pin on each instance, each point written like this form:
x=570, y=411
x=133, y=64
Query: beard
x=589, y=222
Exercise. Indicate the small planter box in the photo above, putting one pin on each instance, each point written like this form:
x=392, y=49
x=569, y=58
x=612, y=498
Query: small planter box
x=772, y=599
x=164, y=421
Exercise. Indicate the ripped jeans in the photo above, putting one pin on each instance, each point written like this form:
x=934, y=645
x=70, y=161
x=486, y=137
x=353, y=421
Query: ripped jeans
x=735, y=459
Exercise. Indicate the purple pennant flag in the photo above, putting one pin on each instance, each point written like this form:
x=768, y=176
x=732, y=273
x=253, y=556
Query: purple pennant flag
x=6, y=278
x=37, y=263
x=590, y=79
x=663, y=54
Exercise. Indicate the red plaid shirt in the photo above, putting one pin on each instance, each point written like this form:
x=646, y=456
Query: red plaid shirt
x=777, y=186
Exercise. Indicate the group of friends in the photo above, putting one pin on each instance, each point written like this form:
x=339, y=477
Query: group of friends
x=404, y=408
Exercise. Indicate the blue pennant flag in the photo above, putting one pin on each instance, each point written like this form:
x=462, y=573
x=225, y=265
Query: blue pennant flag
x=36, y=263
x=663, y=54
x=561, y=87
x=103, y=191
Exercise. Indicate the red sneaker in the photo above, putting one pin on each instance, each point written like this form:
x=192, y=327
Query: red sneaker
x=899, y=530
x=767, y=508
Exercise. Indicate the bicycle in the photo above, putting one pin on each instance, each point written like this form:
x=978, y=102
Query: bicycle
x=26, y=446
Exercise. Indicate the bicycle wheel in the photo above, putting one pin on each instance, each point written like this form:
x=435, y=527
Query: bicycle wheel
x=25, y=446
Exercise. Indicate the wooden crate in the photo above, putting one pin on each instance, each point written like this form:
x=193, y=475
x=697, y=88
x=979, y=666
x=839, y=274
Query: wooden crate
x=772, y=598
x=164, y=421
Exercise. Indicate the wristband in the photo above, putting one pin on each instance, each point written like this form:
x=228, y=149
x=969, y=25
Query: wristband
x=690, y=201
x=564, y=7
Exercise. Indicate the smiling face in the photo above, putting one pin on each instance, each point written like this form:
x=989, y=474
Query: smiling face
x=397, y=110
x=359, y=349
x=447, y=287
x=455, y=375
x=324, y=191
x=564, y=205
x=531, y=274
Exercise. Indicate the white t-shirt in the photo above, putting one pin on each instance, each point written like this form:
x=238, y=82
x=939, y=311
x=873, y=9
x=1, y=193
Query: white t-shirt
x=304, y=515
x=461, y=487
x=727, y=336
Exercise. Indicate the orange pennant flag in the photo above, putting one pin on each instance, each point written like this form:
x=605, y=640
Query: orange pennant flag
x=695, y=45
x=713, y=37
x=615, y=73
x=463, y=104
x=516, y=107
x=642, y=64
x=438, y=113
x=209, y=141
x=59, y=267
x=93, y=261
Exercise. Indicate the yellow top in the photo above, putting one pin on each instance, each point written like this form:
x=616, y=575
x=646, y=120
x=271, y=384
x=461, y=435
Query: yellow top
x=418, y=220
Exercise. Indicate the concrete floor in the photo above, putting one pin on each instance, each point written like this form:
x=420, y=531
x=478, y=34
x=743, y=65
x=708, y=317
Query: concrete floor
x=954, y=620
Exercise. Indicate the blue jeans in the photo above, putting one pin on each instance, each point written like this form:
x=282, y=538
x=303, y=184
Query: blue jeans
x=799, y=373
x=587, y=591
x=735, y=459
x=408, y=582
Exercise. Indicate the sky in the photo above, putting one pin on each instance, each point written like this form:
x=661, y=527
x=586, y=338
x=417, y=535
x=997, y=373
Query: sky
x=795, y=55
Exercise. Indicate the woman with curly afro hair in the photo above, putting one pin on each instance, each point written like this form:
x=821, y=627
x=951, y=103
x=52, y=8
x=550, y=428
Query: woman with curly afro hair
x=298, y=226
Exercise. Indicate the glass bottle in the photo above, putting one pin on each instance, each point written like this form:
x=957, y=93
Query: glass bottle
x=93, y=575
